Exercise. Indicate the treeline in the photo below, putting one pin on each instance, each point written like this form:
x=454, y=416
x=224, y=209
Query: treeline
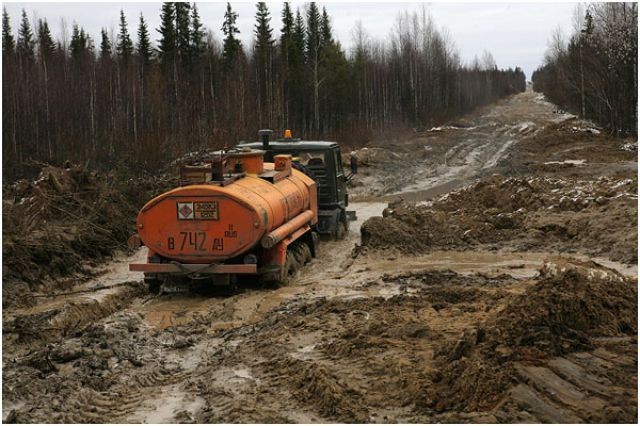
x=129, y=101
x=595, y=74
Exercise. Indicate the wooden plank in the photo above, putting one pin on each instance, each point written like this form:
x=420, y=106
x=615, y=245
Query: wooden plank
x=546, y=381
x=545, y=411
x=579, y=376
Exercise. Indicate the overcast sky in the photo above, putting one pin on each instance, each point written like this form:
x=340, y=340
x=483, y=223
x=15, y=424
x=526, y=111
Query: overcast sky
x=517, y=34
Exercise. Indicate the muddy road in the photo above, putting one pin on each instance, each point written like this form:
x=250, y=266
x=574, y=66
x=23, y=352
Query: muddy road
x=529, y=327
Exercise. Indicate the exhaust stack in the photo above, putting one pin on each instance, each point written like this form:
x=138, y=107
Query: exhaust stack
x=265, y=134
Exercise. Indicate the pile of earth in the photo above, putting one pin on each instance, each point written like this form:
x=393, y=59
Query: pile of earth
x=558, y=147
x=564, y=311
x=597, y=216
x=64, y=221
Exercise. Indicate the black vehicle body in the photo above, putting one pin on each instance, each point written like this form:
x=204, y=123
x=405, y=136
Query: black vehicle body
x=322, y=161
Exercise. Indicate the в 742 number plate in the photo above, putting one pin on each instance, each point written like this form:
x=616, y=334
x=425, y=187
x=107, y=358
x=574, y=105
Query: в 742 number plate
x=198, y=210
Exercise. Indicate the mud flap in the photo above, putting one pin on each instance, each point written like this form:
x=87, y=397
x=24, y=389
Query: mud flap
x=351, y=215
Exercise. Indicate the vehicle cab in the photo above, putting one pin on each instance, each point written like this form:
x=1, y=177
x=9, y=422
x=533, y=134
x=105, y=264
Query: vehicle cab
x=322, y=160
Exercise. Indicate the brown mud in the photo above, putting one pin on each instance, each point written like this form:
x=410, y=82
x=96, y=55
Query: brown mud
x=531, y=317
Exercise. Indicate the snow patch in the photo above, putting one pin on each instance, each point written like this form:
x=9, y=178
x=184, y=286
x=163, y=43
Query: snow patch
x=592, y=130
x=572, y=162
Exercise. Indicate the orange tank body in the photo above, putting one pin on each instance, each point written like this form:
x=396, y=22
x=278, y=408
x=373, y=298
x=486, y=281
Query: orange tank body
x=208, y=223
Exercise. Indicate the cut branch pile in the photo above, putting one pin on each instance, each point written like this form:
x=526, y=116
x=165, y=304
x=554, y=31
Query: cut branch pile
x=68, y=216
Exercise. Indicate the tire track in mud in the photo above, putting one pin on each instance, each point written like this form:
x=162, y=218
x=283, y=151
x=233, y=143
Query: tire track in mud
x=49, y=321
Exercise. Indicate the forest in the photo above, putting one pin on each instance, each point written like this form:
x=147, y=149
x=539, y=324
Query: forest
x=129, y=101
x=595, y=73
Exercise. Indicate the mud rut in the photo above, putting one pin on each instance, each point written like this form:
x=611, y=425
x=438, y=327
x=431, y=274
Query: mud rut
x=349, y=339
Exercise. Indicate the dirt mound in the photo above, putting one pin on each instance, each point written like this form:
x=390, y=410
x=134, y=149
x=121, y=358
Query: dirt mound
x=561, y=312
x=576, y=139
x=569, y=307
x=596, y=215
x=52, y=226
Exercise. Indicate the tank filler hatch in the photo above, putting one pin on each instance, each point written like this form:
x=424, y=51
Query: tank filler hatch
x=212, y=170
x=225, y=167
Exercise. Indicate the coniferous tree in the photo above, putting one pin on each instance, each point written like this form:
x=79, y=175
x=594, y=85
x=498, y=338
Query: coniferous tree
x=183, y=32
x=46, y=45
x=314, y=39
x=124, y=48
x=286, y=32
x=286, y=45
x=8, y=43
x=167, y=42
x=46, y=51
x=231, y=45
x=263, y=30
x=143, y=46
x=297, y=76
x=263, y=60
x=105, y=45
x=78, y=43
x=325, y=28
x=299, y=35
x=198, y=46
x=26, y=43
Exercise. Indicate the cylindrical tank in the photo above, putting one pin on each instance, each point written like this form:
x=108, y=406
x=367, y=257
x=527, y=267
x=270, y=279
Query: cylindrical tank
x=207, y=223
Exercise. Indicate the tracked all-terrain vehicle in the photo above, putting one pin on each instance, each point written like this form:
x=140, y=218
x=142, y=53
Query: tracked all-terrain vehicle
x=237, y=215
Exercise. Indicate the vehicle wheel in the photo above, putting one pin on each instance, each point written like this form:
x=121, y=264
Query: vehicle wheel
x=292, y=263
x=153, y=285
x=341, y=231
x=305, y=252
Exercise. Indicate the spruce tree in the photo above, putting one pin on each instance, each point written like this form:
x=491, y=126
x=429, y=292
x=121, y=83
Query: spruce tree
x=26, y=43
x=124, y=48
x=325, y=28
x=286, y=32
x=313, y=31
x=263, y=54
x=183, y=32
x=313, y=59
x=143, y=47
x=46, y=45
x=78, y=43
x=197, y=34
x=105, y=45
x=297, y=77
x=231, y=45
x=299, y=35
x=167, y=42
x=8, y=43
x=263, y=30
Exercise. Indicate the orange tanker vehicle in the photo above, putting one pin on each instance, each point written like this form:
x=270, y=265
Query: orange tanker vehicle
x=233, y=215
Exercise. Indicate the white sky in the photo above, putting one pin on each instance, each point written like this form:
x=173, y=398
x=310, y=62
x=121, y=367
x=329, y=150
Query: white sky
x=516, y=34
